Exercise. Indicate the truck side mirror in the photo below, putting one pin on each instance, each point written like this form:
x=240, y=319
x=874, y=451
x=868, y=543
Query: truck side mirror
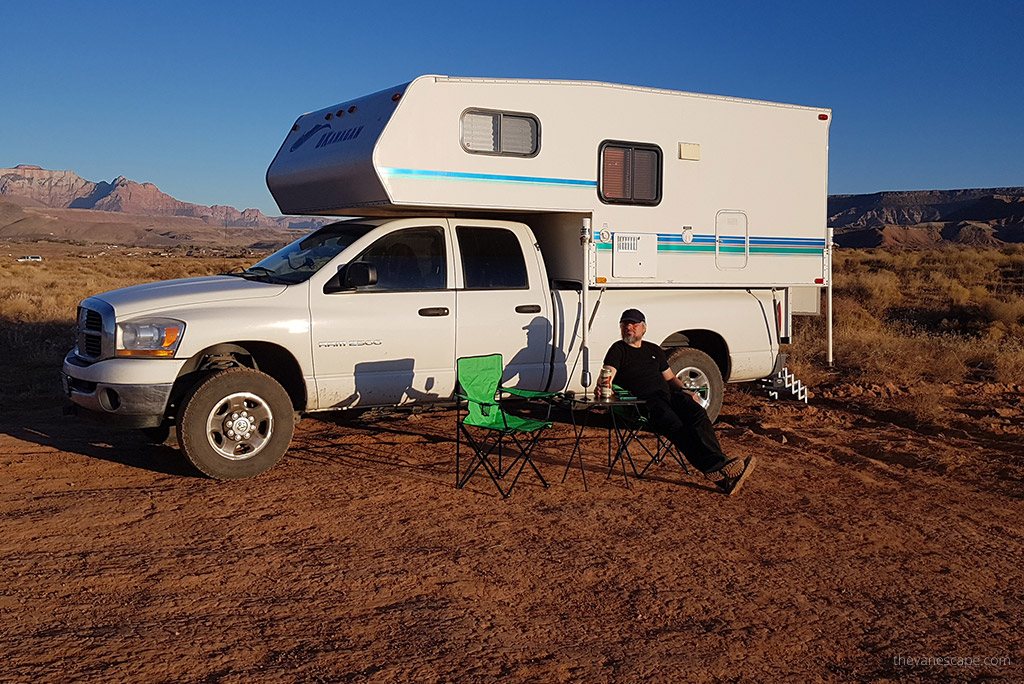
x=360, y=274
x=352, y=276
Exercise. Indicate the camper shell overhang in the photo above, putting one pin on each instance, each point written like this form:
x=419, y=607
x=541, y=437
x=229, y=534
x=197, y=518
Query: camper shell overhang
x=397, y=152
x=325, y=165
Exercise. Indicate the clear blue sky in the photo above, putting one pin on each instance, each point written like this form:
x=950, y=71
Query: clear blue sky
x=196, y=97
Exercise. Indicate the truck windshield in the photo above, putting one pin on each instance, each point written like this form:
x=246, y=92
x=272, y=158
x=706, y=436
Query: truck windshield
x=298, y=261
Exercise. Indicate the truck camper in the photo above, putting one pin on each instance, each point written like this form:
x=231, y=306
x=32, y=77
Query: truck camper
x=511, y=216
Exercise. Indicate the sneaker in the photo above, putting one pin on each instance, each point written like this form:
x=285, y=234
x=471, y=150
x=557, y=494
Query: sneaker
x=731, y=485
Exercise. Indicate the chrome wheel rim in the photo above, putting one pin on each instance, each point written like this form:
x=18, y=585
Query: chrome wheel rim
x=239, y=426
x=696, y=380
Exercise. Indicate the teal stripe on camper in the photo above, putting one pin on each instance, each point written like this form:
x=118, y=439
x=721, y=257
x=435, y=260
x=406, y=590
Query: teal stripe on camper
x=703, y=244
x=488, y=178
x=784, y=250
x=673, y=238
x=783, y=246
x=724, y=249
x=692, y=247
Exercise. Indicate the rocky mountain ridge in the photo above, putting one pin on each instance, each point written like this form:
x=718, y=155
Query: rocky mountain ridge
x=30, y=185
x=902, y=219
x=929, y=218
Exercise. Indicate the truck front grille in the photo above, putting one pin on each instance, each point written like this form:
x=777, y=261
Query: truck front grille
x=93, y=321
x=93, y=345
x=95, y=330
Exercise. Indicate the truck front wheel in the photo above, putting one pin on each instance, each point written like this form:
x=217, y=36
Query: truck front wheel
x=699, y=374
x=235, y=423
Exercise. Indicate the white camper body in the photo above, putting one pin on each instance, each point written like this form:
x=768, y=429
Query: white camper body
x=740, y=197
x=498, y=216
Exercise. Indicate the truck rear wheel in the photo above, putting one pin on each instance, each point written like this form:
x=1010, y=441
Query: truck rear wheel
x=235, y=423
x=699, y=374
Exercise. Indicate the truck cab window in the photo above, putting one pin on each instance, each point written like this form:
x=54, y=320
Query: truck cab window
x=408, y=259
x=491, y=259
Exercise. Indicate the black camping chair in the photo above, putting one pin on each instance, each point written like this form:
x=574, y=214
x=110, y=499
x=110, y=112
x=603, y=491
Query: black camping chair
x=639, y=420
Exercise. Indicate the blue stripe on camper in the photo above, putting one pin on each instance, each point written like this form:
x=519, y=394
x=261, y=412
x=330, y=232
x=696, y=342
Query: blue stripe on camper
x=785, y=246
x=670, y=239
x=488, y=178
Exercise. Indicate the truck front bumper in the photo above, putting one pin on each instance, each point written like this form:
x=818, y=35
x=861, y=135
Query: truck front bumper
x=125, y=392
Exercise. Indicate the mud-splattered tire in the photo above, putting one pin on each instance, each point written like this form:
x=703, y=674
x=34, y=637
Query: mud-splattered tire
x=699, y=373
x=235, y=423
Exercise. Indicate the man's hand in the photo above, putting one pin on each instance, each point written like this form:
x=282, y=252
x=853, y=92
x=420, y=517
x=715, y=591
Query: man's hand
x=690, y=393
x=676, y=385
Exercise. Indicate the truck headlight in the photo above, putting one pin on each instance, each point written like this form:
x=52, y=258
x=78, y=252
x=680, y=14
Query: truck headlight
x=149, y=337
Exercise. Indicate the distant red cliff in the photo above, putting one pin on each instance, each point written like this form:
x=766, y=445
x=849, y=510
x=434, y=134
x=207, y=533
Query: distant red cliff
x=31, y=185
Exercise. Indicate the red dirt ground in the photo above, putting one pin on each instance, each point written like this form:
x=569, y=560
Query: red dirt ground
x=865, y=539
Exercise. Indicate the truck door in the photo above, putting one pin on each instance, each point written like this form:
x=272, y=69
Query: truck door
x=391, y=342
x=501, y=302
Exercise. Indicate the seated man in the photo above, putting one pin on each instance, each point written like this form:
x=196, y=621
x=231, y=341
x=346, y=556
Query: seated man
x=642, y=369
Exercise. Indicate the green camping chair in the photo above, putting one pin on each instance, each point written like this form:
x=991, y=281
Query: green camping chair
x=479, y=380
x=662, y=446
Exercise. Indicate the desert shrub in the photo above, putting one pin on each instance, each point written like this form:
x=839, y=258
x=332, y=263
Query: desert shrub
x=1008, y=365
x=875, y=290
x=944, y=315
x=956, y=293
x=1010, y=313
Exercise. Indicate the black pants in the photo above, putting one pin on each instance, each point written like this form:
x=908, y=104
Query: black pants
x=686, y=424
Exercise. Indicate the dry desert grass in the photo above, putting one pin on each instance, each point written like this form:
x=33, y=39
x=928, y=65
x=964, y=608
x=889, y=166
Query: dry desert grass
x=938, y=317
x=944, y=316
x=38, y=304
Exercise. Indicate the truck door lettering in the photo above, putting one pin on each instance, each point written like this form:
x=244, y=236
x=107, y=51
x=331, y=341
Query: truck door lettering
x=350, y=343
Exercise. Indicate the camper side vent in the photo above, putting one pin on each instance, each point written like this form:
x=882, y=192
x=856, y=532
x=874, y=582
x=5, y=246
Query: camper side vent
x=627, y=243
x=635, y=255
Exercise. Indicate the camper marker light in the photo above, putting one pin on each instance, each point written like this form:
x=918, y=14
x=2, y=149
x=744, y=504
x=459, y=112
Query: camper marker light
x=339, y=112
x=396, y=97
x=352, y=109
x=328, y=117
x=819, y=281
x=149, y=337
x=823, y=117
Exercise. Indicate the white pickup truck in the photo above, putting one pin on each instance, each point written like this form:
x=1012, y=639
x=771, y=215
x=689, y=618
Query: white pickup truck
x=468, y=249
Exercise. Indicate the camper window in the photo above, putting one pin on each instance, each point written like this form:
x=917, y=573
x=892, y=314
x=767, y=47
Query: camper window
x=630, y=173
x=486, y=132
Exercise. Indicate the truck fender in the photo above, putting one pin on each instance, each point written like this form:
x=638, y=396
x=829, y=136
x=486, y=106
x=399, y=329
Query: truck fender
x=272, y=359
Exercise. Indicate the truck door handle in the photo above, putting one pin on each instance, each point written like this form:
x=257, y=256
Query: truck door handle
x=434, y=311
x=528, y=308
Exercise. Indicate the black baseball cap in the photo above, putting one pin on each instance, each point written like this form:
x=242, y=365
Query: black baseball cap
x=632, y=316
